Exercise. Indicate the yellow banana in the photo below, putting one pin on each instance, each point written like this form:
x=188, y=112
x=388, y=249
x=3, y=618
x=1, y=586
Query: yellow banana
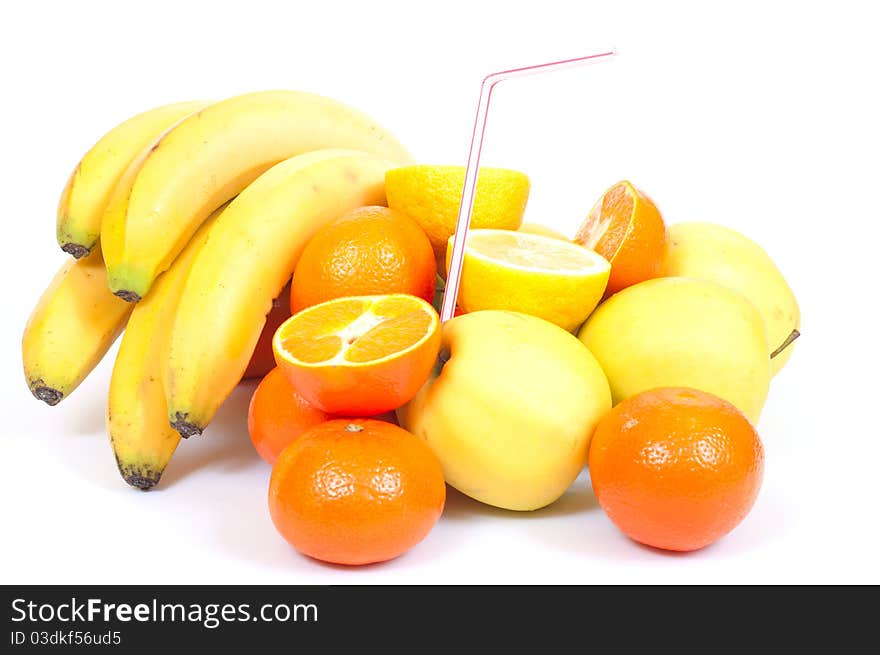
x=137, y=417
x=74, y=323
x=113, y=221
x=214, y=154
x=89, y=186
x=253, y=249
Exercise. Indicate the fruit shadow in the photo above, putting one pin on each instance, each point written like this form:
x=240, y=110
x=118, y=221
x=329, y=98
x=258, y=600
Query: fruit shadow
x=574, y=524
x=224, y=445
x=578, y=498
x=593, y=536
x=83, y=414
x=440, y=543
x=218, y=483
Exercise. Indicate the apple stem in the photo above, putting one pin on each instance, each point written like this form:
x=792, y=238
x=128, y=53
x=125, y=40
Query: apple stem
x=785, y=344
x=442, y=357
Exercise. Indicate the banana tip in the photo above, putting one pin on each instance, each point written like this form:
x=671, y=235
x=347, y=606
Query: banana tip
x=140, y=482
x=48, y=395
x=139, y=477
x=184, y=426
x=128, y=296
x=76, y=250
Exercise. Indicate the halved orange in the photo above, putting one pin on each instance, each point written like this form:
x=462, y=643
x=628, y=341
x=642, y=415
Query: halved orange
x=626, y=228
x=360, y=355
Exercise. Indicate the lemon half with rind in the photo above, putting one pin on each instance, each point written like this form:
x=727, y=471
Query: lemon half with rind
x=431, y=195
x=556, y=280
x=542, y=230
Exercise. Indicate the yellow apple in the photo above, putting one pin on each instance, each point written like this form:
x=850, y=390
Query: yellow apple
x=716, y=253
x=510, y=409
x=682, y=332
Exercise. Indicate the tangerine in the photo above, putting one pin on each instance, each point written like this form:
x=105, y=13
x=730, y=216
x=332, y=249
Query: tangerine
x=359, y=356
x=356, y=491
x=277, y=415
x=676, y=468
x=626, y=228
x=372, y=250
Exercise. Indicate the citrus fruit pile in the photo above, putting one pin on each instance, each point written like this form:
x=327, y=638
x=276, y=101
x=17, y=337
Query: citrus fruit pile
x=285, y=236
x=639, y=350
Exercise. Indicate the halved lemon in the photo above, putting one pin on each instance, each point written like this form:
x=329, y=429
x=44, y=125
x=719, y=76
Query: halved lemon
x=361, y=355
x=431, y=195
x=542, y=230
x=552, y=279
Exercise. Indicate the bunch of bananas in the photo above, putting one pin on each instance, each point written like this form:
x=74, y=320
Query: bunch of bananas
x=183, y=223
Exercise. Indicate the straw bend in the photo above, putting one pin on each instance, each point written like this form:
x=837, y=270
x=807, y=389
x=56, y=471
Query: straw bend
x=468, y=192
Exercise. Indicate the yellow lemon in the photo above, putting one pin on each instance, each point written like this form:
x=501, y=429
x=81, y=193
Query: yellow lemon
x=558, y=281
x=431, y=195
x=542, y=230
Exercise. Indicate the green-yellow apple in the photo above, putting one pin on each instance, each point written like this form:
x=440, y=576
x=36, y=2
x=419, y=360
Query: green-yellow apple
x=682, y=332
x=510, y=408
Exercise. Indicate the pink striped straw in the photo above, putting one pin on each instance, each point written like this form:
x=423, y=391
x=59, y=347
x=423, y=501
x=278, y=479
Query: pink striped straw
x=468, y=192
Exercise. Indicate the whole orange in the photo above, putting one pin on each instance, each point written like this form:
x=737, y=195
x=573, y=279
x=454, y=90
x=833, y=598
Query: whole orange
x=277, y=415
x=356, y=491
x=263, y=359
x=676, y=468
x=372, y=250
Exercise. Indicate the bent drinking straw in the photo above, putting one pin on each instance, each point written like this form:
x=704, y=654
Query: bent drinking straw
x=468, y=192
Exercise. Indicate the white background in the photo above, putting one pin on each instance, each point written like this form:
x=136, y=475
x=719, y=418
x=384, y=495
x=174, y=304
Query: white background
x=763, y=116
